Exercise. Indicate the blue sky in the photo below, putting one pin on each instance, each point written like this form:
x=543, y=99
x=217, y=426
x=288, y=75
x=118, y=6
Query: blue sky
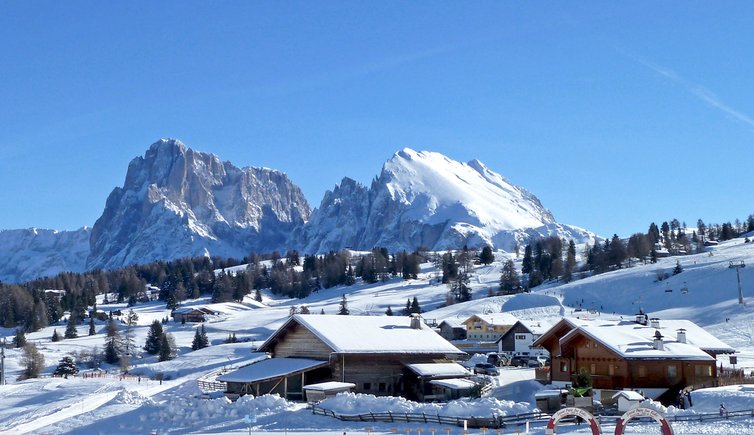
x=615, y=116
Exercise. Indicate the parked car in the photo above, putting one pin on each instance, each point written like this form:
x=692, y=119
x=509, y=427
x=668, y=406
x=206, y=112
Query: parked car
x=519, y=361
x=497, y=359
x=486, y=369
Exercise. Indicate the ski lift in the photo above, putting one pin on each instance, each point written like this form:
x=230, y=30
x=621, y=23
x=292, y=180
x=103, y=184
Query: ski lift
x=685, y=288
x=668, y=289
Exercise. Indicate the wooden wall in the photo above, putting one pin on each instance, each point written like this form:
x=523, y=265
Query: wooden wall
x=301, y=343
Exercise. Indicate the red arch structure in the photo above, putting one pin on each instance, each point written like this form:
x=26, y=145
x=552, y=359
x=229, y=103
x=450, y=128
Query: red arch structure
x=573, y=412
x=620, y=427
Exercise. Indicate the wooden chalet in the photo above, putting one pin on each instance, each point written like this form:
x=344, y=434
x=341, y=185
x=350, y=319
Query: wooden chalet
x=659, y=359
x=192, y=314
x=374, y=353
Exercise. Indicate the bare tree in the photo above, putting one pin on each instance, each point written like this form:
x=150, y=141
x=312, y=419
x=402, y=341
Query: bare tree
x=32, y=361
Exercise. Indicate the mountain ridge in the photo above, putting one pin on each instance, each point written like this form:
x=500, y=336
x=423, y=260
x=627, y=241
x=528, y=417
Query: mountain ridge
x=177, y=202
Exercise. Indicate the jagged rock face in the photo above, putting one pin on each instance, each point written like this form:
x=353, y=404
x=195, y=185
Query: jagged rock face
x=177, y=202
x=339, y=221
x=32, y=253
x=426, y=199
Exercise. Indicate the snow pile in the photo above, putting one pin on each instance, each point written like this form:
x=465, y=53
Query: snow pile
x=127, y=397
x=484, y=407
x=354, y=403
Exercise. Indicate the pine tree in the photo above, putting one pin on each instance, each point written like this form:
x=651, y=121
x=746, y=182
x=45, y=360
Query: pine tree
x=112, y=343
x=196, y=344
x=389, y=311
x=66, y=367
x=128, y=339
x=570, y=263
x=414, y=308
x=92, y=329
x=509, y=280
x=55, y=336
x=70, y=329
x=527, y=264
x=486, y=257
x=304, y=310
x=152, y=345
x=200, y=339
x=20, y=339
x=165, y=350
x=203, y=336
x=678, y=268
x=343, y=311
x=258, y=295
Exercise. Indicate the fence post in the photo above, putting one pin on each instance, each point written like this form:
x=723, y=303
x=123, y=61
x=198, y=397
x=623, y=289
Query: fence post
x=425, y=417
x=391, y=416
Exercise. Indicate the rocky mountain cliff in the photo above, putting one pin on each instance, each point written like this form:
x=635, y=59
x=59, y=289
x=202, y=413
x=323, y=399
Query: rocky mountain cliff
x=426, y=199
x=177, y=202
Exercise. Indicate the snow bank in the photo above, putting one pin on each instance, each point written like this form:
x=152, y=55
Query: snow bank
x=354, y=403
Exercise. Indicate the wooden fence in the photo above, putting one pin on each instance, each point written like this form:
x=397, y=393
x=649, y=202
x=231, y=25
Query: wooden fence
x=493, y=422
x=500, y=422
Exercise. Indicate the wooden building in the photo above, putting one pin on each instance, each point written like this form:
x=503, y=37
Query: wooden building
x=660, y=358
x=192, y=314
x=371, y=352
x=452, y=329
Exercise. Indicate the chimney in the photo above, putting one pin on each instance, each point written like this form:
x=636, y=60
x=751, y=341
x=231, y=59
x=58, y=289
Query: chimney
x=655, y=322
x=658, y=343
x=416, y=321
x=681, y=335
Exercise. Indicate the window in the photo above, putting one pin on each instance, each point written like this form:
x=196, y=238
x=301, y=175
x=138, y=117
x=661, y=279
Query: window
x=672, y=372
x=593, y=369
x=383, y=387
x=520, y=337
x=611, y=370
x=564, y=366
x=642, y=371
x=367, y=386
x=701, y=371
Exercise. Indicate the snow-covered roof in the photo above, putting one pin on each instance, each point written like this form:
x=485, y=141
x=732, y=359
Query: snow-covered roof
x=632, y=340
x=628, y=394
x=436, y=370
x=455, y=384
x=370, y=334
x=496, y=318
x=330, y=386
x=270, y=369
x=453, y=322
x=537, y=327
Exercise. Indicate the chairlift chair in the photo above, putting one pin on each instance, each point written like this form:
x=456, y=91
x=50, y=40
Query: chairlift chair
x=668, y=289
x=685, y=288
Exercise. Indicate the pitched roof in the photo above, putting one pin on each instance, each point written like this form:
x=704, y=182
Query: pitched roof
x=633, y=340
x=535, y=327
x=270, y=369
x=369, y=334
x=495, y=318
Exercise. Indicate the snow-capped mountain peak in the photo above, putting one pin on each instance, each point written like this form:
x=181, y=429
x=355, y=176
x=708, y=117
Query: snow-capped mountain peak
x=424, y=198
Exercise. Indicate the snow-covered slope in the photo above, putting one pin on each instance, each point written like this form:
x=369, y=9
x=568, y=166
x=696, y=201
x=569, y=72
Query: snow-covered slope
x=31, y=253
x=426, y=199
x=177, y=202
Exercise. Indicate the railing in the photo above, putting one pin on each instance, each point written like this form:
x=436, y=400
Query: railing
x=499, y=422
x=494, y=422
